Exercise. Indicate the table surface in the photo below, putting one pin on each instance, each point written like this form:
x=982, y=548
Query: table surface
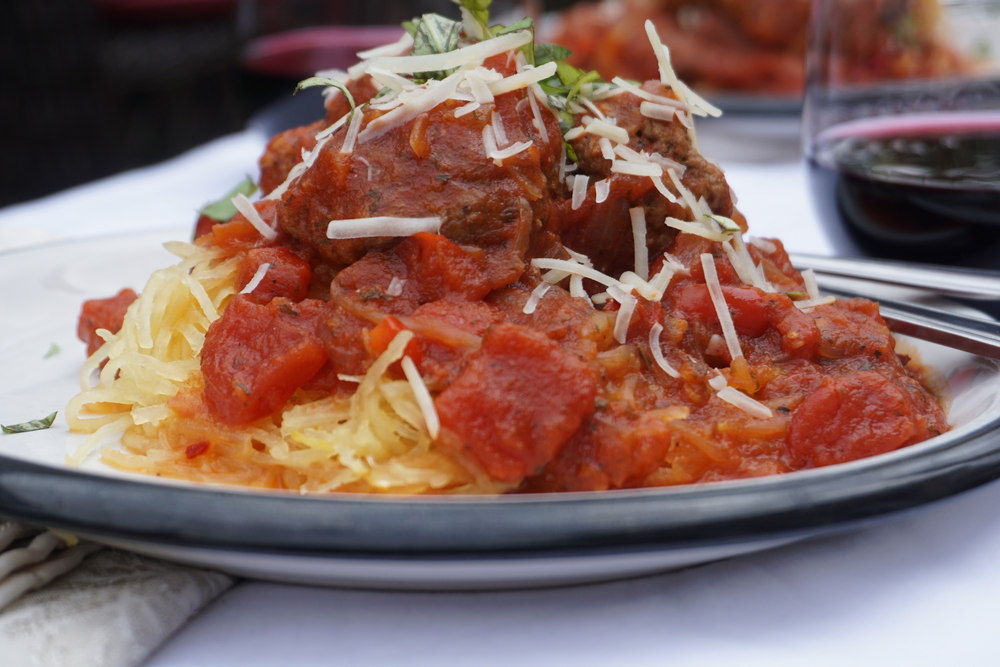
x=921, y=588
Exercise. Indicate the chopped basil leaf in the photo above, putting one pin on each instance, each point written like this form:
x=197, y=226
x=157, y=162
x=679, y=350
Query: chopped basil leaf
x=479, y=11
x=729, y=226
x=53, y=351
x=223, y=209
x=545, y=53
x=433, y=34
x=327, y=82
x=33, y=425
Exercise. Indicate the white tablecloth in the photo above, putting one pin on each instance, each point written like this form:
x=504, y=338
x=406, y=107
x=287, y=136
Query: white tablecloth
x=917, y=589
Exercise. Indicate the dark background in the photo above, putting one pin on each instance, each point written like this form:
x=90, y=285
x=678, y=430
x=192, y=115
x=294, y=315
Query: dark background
x=92, y=87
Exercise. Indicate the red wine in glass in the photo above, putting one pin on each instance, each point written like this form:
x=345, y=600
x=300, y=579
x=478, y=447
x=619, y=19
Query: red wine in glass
x=923, y=187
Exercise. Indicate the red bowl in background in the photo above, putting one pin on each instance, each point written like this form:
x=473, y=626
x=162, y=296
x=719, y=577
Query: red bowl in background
x=297, y=54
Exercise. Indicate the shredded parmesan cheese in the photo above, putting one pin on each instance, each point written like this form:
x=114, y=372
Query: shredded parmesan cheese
x=627, y=303
x=812, y=288
x=747, y=404
x=603, y=128
x=468, y=55
x=244, y=206
x=353, y=128
x=422, y=396
x=258, y=276
x=395, y=287
x=579, y=190
x=356, y=228
x=535, y=297
x=721, y=308
x=654, y=348
x=638, y=217
x=602, y=189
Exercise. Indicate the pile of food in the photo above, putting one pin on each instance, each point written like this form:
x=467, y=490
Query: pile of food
x=486, y=271
x=756, y=46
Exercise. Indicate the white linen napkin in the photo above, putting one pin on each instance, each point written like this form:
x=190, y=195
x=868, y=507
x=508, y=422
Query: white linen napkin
x=113, y=610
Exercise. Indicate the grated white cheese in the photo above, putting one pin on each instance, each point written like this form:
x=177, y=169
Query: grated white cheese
x=657, y=111
x=717, y=381
x=244, y=206
x=389, y=80
x=607, y=152
x=466, y=109
x=477, y=83
x=602, y=189
x=395, y=287
x=356, y=228
x=473, y=54
x=536, y=295
x=807, y=304
x=695, y=228
x=352, y=132
x=721, y=308
x=580, y=182
x=747, y=404
x=669, y=77
x=537, y=119
x=636, y=168
x=654, y=348
x=575, y=268
x=523, y=79
x=258, y=276
x=367, y=164
x=422, y=396
x=422, y=100
x=630, y=87
x=637, y=215
x=627, y=303
x=499, y=156
x=809, y=278
x=498, y=129
x=603, y=128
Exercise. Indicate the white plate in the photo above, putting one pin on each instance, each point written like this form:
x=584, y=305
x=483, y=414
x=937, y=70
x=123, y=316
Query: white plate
x=434, y=543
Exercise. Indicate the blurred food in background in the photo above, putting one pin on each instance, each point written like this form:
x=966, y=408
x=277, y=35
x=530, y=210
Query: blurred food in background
x=94, y=87
x=750, y=46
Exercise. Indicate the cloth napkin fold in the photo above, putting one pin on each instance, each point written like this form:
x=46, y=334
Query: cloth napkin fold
x=112, y=610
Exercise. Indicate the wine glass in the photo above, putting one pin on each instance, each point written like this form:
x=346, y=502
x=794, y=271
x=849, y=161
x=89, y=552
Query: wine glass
x=902, y=128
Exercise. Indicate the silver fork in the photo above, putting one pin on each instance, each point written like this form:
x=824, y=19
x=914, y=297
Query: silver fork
x=32, y=557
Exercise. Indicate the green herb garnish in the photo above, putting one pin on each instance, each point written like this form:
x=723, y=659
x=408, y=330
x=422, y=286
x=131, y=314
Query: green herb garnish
x=223, y=209
x=53, y=351
x=433, y=34
x=729, y=226
x=33, y=425
x=326, y=82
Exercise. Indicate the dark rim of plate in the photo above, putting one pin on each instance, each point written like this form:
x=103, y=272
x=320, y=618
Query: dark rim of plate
x=776, y=506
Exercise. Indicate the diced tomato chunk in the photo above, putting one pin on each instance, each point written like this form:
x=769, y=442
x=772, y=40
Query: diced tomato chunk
x=385, y=331
x=441, y=269
x=203, y=225
x=102, y=314
x=746, y=305
x=851, y=417
x=516, y=404
x=288, y=275
x=256, y=356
